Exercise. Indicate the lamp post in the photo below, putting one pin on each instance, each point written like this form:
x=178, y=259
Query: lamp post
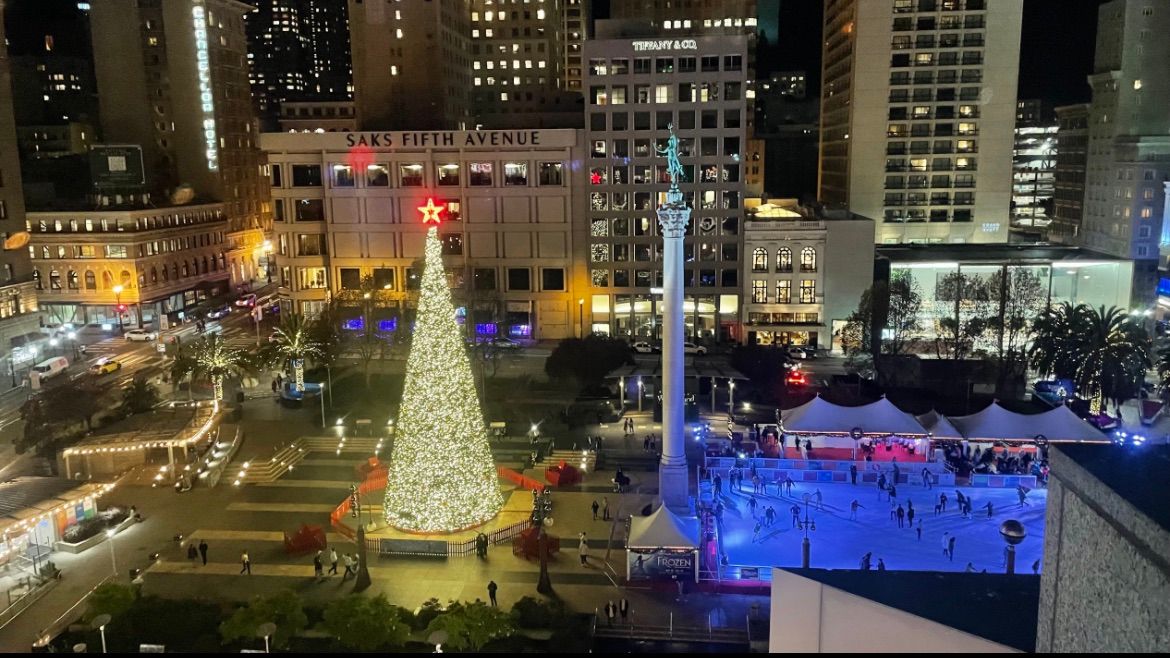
x=118, y=305
x=72, y=336
x=266, y=630
x=640, y=394
x=806, y=525
x=322, y=396
x=99, y=622
x=581, y=315
x=113, y=556
x=542, y=505
x=731, y=398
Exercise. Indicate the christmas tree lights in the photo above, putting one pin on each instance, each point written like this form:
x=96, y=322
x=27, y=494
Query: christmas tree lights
x=441, y=476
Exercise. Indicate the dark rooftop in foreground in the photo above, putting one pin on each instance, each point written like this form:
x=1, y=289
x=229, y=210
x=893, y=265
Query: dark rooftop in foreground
x=997, y=253
x=22, y=493
x=993, y=606
x=1139, y=474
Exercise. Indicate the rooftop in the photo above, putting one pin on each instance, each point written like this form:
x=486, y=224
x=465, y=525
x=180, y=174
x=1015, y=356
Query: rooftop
x=1137, y=474
x=22, y=493
x=996, y=607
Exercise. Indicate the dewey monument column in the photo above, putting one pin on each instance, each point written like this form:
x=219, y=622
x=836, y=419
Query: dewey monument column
x=673, y=216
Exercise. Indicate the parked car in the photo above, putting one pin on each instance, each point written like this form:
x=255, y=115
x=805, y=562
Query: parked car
x=141, y=334
x=796, y=352
x=105, y=366
x=691, y=348
x=505, y=343
x=248, y=300
x=57, y=330
x=51, y=367
x=642, y=347
x=219, y=312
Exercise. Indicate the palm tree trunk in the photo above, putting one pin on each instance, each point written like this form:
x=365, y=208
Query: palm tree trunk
x=218, y=388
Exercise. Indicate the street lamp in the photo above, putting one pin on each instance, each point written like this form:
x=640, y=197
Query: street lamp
x=640, y=394
x=581, y=314
x=118, y=305
x=72, y=336
x=322, y=396
x=542, y=507
x=113, y=557
x=99, y=622
x=266, y=630
x=806, y=525
x=731, y=397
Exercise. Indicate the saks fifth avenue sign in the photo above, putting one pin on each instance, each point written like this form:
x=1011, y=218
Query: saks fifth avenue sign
x=459, y=139
x=665, y=44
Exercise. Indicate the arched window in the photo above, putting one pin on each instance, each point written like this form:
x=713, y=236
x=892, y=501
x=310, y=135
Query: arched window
x=90, y=280
x=174, y=270
x=759, y=260
x=107, y=280
x=154, y=274
x=54, y=280
x=126, y=279
x=37, y=278
x=783, y=259
x=71, y=280
x=166, y=273
x=808, y=260
x=186, y=269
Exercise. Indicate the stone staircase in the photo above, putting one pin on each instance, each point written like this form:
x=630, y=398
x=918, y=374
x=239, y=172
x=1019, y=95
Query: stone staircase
x=586, y=460
x=286, y=459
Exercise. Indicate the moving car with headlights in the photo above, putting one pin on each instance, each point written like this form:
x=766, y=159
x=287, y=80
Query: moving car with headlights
x=105, y=367
x=141, y=335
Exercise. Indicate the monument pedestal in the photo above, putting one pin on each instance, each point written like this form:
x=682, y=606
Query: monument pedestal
x=674, y=487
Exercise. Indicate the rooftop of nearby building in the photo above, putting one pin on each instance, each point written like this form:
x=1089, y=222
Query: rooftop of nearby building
x=991, y=253
x=1137, y=474
x=997, y=607
x=25, y=492
x=781, y=209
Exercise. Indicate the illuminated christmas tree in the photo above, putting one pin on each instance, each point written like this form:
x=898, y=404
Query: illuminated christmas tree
x=441, y=475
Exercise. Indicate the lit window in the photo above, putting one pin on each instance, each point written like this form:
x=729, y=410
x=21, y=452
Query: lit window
x=475, y=34
x=393, y=69
x=1137, y=84
x=478, y=82
x=540, y=14
x=475, y=65
x=503, y=95
x=1147, y=213
x=398, y=32
x=488, y=33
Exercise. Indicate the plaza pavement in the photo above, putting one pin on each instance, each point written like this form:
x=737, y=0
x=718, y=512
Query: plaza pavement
x=254, y=517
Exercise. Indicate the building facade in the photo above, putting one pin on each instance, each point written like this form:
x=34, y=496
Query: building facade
x=803, y=273
x=172, y=77
x=724, y=17
x=349, y=221
x=411, y=64
x=918, y=107
x=18, y=298
x=636, y=89
x=1129, y=138
x=1033, y=172
x=317, y=116
x=157, y=262
x=1072, y=150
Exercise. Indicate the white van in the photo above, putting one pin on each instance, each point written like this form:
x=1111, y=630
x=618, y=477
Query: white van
x=51, y=367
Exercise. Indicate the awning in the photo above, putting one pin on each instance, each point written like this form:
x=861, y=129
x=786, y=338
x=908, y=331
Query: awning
x=663, y=529
x=995, y=423
x=876, y=419
x=938, y=426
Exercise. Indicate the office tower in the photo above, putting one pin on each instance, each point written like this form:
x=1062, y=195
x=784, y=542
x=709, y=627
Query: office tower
x=172, y=76
x=635, y=88
x=411, y=64
x=18, y=297
x=1129, y=118
x=1033, y=165
x=577, y=18
x=1072, y=151
x=518, y=65
x=297, y=50
x=918, y=107
x=723, y=17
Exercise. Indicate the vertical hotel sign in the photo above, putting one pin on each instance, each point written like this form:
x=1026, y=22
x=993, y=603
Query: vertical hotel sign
x=207, y=105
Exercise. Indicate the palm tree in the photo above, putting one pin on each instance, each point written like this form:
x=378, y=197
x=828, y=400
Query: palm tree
x=294, y=342
x=216, y=360
x=184, y=366
x=1105, y=352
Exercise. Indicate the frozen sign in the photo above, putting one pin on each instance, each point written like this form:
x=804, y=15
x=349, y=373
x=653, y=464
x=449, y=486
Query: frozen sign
x=207, y=105
x=666, y=44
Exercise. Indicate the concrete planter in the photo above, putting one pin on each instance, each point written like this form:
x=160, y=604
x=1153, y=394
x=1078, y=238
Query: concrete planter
x=66, y=547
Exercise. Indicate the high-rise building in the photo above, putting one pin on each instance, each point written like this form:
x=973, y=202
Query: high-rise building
x=918, y=107
x=18, y=297
x=411, y=64
x=577, y=18
x=172, y=76
x=1129, y=153
x=637, y=87
x=297, y=50
x=723, y=17
x=1033, y=166
x=1072, y=150
x=518, y=65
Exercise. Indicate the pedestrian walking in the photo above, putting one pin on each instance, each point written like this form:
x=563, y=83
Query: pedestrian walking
x=203, y=551
x=853, y=474
x=595, y=507
x=604, y=508
x=192, y=552
x=770, y=516
x=942, y=501
x=937, y=509
x=646, y=443
x=788, y=482
x=989, y=509
x=901, y=516
x=333, y=558
x=893, y=510
x=756, y=532
x=926, y=478
x=951, y=548
x=970, y=568
x=492, y=587
x=245, y=563
x=718, y=484
x=752, y=505
x=910, y=516
x=795, y=515
x=624, y=608
x=1022, y=493
x=1036, y=567
x=610, y=612
x=853, y=507
x=893, y=491
x=881, y=564
x=820, y=500
x=583, y=550
x=919, y=529
x=946, y=544
x=318, y=566
x=866, y=561
x=350, y=565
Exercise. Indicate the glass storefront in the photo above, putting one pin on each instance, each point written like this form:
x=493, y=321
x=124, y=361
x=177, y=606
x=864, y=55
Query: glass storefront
x=707, y=318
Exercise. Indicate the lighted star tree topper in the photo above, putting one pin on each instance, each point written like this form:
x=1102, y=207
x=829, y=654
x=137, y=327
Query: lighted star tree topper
x=441, y=475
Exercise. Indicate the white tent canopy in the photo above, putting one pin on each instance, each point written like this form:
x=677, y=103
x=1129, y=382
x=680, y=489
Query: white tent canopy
x=663, y=529
x=880, y=418
x=938, y=426
x=995, y=423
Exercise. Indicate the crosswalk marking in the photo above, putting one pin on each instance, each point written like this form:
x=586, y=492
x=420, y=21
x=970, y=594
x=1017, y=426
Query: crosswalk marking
x=306, y=508
x=307, y=484
x=255, y=535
